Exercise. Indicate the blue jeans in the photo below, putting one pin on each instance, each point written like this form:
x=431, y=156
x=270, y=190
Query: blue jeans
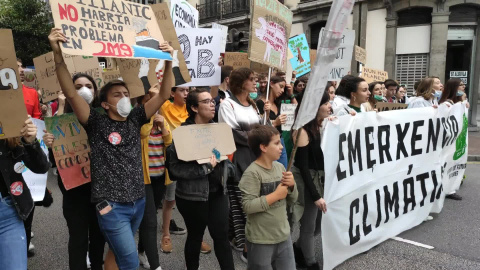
x=283, y=158
x=13, y=241
x=118, y=227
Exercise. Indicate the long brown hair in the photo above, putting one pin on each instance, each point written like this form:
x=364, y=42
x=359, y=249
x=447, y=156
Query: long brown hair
x=425, y=88
x=12, y=142
x=237, y=79
x=450, y=91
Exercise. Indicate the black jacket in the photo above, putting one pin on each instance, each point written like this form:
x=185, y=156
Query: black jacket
x=35, y=159
x=193, y=179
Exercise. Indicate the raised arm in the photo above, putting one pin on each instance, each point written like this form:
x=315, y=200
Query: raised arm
x=79, y=105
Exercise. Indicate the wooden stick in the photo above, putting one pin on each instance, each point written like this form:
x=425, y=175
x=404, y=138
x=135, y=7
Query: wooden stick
x=266, y=97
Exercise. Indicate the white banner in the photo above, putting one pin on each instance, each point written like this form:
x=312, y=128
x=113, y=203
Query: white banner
x=385, y=173
x=201, y=49
x=183, y=14
x=37, y=183
x=343, y=61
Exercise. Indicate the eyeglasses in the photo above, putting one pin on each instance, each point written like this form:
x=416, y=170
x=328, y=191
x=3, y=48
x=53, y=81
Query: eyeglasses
x=208, y=101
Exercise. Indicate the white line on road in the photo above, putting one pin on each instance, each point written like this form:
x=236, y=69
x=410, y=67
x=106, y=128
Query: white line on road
x=412, y=242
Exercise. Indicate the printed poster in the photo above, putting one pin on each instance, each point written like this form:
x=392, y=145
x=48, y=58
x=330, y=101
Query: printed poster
x=108, y=28
x=300, y=62
x=184, y=15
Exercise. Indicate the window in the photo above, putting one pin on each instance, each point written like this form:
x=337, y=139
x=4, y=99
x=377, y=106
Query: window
x=410, y=68
x=415, y=16
x=315, y=33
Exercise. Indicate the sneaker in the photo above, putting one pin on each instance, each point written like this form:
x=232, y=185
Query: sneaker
x=143, y=260
x=299, y=258
x=233, y=244
x=88, y=262
x=166, y=245
x=244, y=257
x=454, y=196
x=31, y=246
x=429, y=218
x=174, y=229
x=32, y=234
x=205, y=248
x=31, y=250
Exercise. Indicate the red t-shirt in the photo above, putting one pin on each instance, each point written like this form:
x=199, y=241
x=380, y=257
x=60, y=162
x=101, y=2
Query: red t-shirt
x=30, y=97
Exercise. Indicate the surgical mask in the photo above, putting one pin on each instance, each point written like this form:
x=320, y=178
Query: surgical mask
x=378, y=98
x=124, y=107
x=253, y=95
x=86, y=94
x=460, y=93
x=258, y=85
x=438, y=94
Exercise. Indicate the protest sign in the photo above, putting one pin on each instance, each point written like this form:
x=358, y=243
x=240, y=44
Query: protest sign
x=184, y=15
x=374, y=75
x=179, y=67
x=108, y=28
x=109, y=76
x=37, y=183
x=30, y=78
x=224, y=30
x=289, y=110
x=385, y=173
x=12, y=107
x=140, y=75
x=298, y=45
x=236, y=60
x=269, y=31
x=70, y=149
x=386, y=106
x=313, y=56
x=343, y=61
x=360, y=54
x=201, y=49
x=198, y=142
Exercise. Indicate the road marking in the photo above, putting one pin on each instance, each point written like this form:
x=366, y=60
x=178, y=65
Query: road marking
x=412, y=242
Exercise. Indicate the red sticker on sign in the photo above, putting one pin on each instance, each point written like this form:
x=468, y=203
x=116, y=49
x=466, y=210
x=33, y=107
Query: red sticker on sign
x=115, y=138
x=16, y=188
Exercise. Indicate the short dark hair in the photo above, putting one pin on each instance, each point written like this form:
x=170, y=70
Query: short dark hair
x=19, y=60
x=260, y=135
x=225, y=73
x=107, y=87
x=192, y=100
x=280, y=73
x=348, y=84
x=390, y=82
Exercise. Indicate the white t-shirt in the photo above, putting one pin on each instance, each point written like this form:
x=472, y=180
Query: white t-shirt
x=237, y=115
x=419, y=102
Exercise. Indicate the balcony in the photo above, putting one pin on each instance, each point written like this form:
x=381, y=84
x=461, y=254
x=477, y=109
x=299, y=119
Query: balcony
x=222, y=9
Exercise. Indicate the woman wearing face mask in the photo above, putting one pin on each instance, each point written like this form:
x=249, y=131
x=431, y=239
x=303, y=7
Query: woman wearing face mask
x=240, y=112
x=309, y=177
x=375, y=89
x=357, y=90
x=453, y=93
x=426, y=95
x=202, y=209
x=78, y=210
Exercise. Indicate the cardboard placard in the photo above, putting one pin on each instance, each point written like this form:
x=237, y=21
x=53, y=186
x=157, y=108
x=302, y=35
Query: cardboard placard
x=360, y=54
x=341, y=65
x=109, y=28
x=224, y=30
x=30, y=78
x=313, y=56
x=240, y=59
x=183, y=14
x=201, y=49
x=109, y=76
x=289, y=110
x=140, y=75
x=164, y=20
x=386, y=106
x=300, y=61
x=374, y=75
x=70, y=149
x=269, y=31
x=37, y=183
x=196, y=142
x=12, y=107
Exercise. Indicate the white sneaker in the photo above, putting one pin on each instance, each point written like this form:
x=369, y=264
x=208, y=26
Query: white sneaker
x=32, y=234
x=143, y=260
x=31, y=246
x=429, y=218
x=88, y=262
x=159, y=268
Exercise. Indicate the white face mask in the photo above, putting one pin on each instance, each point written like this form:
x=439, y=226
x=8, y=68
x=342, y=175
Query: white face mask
x=124, y=107
x=86, y=94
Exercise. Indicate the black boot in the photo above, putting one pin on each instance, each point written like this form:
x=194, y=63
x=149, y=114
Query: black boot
x=299, y=259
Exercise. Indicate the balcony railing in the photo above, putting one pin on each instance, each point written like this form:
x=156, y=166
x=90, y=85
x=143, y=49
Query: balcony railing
x=222, y=9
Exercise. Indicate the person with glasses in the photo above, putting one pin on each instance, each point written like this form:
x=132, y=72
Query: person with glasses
x=401, y=94
x=201, y=194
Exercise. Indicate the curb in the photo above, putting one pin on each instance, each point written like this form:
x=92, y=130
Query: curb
x=473, y=158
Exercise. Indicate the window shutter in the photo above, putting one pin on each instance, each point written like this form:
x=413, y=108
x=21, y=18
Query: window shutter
x=410, y=68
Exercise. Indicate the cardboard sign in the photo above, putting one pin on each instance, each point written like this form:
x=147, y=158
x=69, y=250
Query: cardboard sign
x=343, y=61
x=386, y=106
x=374, y=75
x=140, y=75
x=239, y=60
x=109, y=76
x=30, y=78
x=37, y=183
x=224, y=30
x=201, y=49
x=108, y=28
x=360, y=54
x=270, y=28
x=184, y=15
x=313, y=57
x=179, y=67
x=12, y=107
x=197, y=142
x=289, y=110
x=70, y=149
x=298, y=45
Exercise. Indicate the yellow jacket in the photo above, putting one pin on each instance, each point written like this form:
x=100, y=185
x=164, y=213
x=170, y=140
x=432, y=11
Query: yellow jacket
x=144, y=134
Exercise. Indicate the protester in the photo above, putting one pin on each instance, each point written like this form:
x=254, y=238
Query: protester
x=425, y=94
x=202, y=209
x=356, y=90
x=342, y=94
x=401, y=94
x=299, y=86
x=240, y=113
x=30, y=95
x=84, y=236
x=391, y=88
x=114, y=137
x=331, y=91
x=375, y=89
x=308, y=172
x=262, y=83
x=267, y=189
x=17, y=202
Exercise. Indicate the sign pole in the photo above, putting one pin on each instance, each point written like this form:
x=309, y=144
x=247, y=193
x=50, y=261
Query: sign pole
x=268, y=92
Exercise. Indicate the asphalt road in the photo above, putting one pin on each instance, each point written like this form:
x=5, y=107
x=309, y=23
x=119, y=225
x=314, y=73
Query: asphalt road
x=454, y=234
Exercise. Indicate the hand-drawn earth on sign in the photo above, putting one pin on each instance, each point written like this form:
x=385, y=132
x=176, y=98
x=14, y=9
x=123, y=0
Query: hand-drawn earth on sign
x=273, y=35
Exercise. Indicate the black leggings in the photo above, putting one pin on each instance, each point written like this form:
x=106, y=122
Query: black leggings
x=197, y=216
x=147, y=241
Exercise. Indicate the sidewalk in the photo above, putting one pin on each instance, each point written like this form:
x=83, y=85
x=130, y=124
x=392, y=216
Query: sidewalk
x=474, y=142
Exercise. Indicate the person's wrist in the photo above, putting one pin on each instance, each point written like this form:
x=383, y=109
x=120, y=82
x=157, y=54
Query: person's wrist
x=28, y=141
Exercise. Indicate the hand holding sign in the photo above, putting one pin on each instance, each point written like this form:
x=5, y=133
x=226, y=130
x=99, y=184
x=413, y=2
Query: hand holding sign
x=54, y=38
x=29, y=131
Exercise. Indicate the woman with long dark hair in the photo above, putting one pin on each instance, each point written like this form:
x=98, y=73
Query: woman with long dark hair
x=356, y=89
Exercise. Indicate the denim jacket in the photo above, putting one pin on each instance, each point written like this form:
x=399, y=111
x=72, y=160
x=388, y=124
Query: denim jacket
x=34, y=159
